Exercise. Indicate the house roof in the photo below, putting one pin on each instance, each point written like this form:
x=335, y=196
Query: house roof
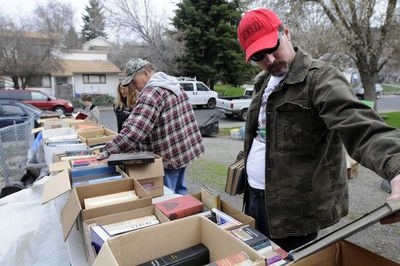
x=71, y=67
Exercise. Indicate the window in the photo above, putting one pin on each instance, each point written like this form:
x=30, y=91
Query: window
x=94, y=79
x=12, y=110
x=37, y=96
x=187, y=86
x=201, y=87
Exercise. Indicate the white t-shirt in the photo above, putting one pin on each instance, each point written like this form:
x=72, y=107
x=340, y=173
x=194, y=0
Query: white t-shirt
x=255, y=165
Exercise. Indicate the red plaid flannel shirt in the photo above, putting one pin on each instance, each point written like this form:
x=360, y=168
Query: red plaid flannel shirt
x=163, y=123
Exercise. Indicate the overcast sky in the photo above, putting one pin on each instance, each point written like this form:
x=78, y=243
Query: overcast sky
x=25, y=7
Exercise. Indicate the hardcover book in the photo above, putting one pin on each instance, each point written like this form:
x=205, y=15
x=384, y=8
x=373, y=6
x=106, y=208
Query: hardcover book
x=180, y=207
x=131, y=158
x=250, y=236
x=197, y=255
x=235, y=180
x=102, y=169
x=131, y=225
x=110, y=199
x=77, y=153
x=80, y=116
x=238, y=259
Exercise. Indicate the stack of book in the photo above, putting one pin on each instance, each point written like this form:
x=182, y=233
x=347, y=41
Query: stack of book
x=94, y=175
x=110, y=199
x=259, y=242
x=131, y=158
x=100, y=233
x=180, y=207
x=238, y=259
x=235, y=178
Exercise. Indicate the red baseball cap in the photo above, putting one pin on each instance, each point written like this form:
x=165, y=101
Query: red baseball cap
x=258, y=30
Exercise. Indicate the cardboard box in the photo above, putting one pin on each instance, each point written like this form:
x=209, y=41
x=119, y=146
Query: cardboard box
x=160, y=240
x=58, y=132
x=50, y=152
x=228, y=209
x=149, y=175
x=95, y=137
x=115, y=218
x=344, y=253
x=331, y=249
x=74, y=207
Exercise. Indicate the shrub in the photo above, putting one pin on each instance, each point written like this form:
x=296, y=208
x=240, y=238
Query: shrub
x=97, y=99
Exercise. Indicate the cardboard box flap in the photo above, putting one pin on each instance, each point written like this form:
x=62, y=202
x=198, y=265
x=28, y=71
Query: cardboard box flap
x=70, y=212
x=59, y=166
x=56, y=186
x=105, y=257
x=346, y=231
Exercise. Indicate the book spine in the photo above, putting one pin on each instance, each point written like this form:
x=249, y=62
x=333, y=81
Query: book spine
x=185, y=212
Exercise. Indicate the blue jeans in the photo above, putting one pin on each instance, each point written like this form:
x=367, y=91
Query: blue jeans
x=175, y=180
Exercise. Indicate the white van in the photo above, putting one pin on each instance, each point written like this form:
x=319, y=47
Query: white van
x=199, y=94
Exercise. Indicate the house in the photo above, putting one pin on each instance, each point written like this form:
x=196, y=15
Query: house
x=78, y=72
x=85, y=71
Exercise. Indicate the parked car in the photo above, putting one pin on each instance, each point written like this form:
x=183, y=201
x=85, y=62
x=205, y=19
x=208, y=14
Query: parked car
x=16, y=112
x=359, y=91
x=199, y=94
x=236, y=106
x=39, y=99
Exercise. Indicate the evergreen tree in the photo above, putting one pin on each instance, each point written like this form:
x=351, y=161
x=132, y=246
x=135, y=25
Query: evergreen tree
x=93, y=21
x=71, y=39
x=212, y=51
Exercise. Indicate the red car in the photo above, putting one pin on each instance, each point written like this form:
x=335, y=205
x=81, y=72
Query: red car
x=39, y=99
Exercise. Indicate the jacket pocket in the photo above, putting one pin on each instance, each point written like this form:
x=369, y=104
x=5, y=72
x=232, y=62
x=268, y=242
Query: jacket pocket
x=297, y=129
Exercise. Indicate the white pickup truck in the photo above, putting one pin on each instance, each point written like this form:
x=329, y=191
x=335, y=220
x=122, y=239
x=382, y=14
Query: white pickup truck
x=236, y=106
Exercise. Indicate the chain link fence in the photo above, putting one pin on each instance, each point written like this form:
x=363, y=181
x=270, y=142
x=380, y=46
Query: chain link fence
x=15, y=141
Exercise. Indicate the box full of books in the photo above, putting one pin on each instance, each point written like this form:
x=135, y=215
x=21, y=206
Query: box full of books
x=233, y=217
x=192, y=240
x=96, y=137
x=149, y=175
x=98, y=230
x=94, y=200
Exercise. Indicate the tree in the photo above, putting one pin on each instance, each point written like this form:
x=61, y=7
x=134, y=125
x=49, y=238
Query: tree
x=93, y=21
x=365, y=30
x=25, y=54
x=54, y=17
x=71, y=39
x=212, y=51
x=145, y=28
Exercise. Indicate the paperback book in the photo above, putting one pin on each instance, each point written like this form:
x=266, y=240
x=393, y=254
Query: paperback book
x=110, y=199
x=130, y=225
x=98, y=236
x=131, y=158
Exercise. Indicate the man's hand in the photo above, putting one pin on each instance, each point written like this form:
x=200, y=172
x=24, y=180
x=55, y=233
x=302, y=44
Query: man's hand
x=395, y=195
x=102, y=156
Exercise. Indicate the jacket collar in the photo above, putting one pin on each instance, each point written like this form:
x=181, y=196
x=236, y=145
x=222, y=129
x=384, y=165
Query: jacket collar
x=299, y=67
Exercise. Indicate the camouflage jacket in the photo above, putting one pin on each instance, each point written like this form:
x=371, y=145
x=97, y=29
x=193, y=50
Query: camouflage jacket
x=311, y=116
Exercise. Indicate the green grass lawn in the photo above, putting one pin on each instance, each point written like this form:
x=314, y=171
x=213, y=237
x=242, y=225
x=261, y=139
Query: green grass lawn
x=228, y=90
x=391, y=88
x=392, y=119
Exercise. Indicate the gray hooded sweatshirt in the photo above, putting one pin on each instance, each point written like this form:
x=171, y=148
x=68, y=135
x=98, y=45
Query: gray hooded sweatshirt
x=160, y=79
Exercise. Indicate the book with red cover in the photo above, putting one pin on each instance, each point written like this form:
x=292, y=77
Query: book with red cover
x=81, y=116
x=180, y=207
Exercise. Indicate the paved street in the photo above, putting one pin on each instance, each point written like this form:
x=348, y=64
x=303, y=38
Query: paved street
x=387, y=103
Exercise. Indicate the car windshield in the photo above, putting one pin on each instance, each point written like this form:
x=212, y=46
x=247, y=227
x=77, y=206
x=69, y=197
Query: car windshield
x=30, y=106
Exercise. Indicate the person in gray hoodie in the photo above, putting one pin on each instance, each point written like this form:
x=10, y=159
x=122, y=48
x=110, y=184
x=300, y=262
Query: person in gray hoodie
x=162, y=122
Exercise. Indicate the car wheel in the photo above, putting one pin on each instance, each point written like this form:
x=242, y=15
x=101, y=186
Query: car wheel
x=243, y=115
x=59, y=109
x=211, y=103
x=378, y=95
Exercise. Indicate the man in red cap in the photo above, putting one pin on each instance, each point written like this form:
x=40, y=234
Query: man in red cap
x=302, y=118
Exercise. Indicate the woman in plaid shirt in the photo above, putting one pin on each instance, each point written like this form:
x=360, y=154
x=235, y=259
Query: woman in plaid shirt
x=162, y=122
